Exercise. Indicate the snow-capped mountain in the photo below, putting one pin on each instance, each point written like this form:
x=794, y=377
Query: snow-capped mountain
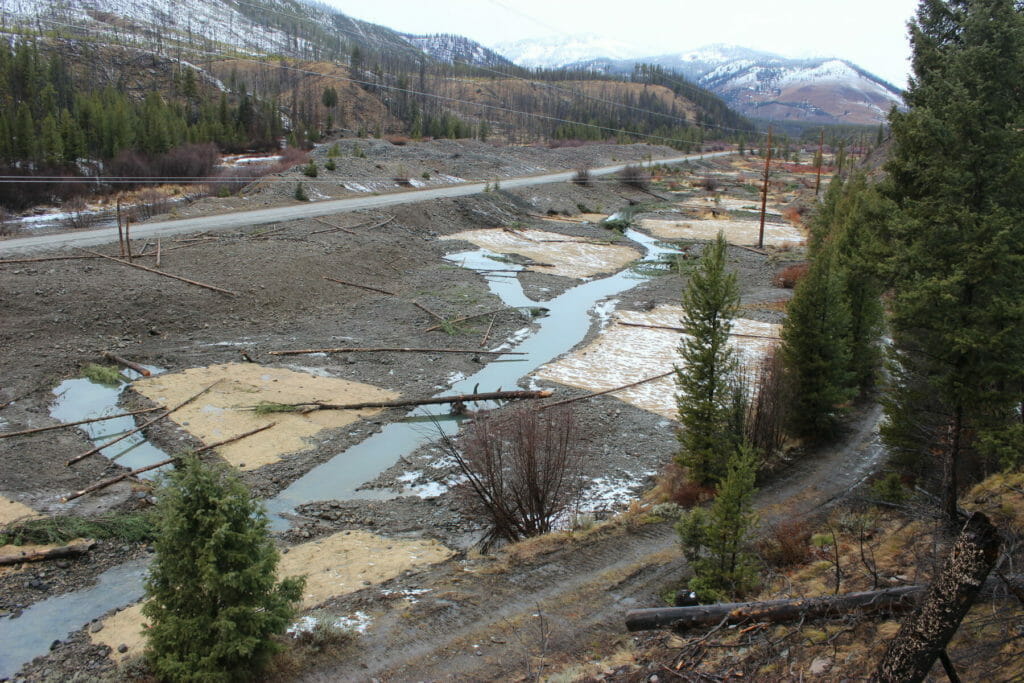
x=559, y=51
x=760, y=84
x=453, y=49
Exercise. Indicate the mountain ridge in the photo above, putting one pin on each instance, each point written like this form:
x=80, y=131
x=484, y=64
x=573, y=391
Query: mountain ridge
x=820, y=90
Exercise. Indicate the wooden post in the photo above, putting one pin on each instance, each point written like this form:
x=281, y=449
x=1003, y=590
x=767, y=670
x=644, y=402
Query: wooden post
x=924, y=635
x=127, y=239
x=120, y=233
x=764, y=190
x=821, y=158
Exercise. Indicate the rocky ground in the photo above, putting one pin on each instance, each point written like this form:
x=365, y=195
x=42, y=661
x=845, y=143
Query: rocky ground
x=60, y=315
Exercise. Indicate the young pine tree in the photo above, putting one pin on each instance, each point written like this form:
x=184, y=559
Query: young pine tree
x=816, y=350
x=708, y=367
x=213, y=600
x=716, y=539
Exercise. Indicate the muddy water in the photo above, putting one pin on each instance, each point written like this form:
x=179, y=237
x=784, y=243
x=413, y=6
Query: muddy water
x=566, y=324
x=31, y=634
x=82, y=399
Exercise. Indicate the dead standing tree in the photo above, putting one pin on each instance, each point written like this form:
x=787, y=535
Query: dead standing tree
x=923, y=636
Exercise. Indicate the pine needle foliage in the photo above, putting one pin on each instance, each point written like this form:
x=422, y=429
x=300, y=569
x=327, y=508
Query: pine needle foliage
x=213, y=600
x=704, y=380
x=816, y=351
x=716, y=540
x=956, y=241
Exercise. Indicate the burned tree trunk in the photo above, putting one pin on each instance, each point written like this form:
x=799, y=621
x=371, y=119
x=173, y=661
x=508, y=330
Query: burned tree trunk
x=925, y=633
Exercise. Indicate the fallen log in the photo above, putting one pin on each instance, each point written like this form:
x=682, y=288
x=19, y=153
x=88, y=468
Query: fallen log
x=429, y=312
x=385, y=349
x=607, y=391
x=70, y=550
x=332, y=228
x=138, y=429
x=353, y=284
x=680, y=329
x=127, y=363
x=924, y=635
x=487, y=334
x=125, y=475
x=888, y=600
x=75, y=424
x=160, y=272
x=400, y=403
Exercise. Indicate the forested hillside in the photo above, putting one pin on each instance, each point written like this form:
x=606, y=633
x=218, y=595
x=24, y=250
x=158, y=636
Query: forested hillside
x=119, y=92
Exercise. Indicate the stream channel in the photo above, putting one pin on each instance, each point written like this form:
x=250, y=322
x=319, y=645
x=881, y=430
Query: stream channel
x=567, y=322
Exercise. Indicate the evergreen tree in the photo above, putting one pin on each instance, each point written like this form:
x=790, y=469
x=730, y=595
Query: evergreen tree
x=957, y=237
x=716, y=540
x=213, y=600
x=705, y=400
x=816, y=351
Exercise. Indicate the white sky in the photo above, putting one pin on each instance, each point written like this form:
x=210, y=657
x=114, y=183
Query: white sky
x=869, y=33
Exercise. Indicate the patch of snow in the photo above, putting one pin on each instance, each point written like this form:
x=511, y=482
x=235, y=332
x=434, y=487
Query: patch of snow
x=356, y=187
x=515, y=338
x=603, y=311
x=357, y=622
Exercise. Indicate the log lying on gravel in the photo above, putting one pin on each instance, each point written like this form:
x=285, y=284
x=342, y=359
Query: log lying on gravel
x=70, y=550
x=63, y=425
x=889, y=601
x=134, y=473
x=400, y=403
x=389, y=349
x=924, y=635
x=128, y=364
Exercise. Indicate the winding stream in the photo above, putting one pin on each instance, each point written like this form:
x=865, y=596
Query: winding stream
x=566, y=324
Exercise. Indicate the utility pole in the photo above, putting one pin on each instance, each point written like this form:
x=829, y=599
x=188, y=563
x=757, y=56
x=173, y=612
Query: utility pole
x=764, y=190
x=821, y=157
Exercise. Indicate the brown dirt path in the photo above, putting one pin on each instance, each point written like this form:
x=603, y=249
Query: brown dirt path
x=514, y=616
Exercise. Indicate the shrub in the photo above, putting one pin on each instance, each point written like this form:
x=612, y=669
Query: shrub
x=334, y=151
x=213, y=600
x=310, y=169
x=785, y=544
x=889, y=488
x=522, y=470
x=398, y=140
x=330, y=165
x=300, y=193
x=78, y=215
x=788, y=277
x=582, y=177
x=635, y=176
x=766, y=416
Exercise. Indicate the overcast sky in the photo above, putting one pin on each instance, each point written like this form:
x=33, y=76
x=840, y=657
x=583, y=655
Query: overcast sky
x=869, y=33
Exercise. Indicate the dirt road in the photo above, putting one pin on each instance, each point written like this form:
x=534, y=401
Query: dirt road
x=245, y=219
x=512, y=618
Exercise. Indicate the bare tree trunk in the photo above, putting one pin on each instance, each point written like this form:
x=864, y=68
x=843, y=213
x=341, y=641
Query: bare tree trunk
x=924, y=634
x=949, y=469
x=889, y=600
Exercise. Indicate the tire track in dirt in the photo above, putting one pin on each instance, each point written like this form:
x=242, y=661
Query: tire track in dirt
x=484, y=625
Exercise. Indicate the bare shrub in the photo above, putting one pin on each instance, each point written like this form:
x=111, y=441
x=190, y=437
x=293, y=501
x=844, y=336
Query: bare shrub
x=398, y=140
x=8, y=226
x=675, y=486
x=789, y=276
x=150, y=202
x=522, y=469
x=709, y=183
x=582, y=177
x=189, y=161
x=785, y=544
x=78, y=215
x=635, y=176
x=767, y=410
